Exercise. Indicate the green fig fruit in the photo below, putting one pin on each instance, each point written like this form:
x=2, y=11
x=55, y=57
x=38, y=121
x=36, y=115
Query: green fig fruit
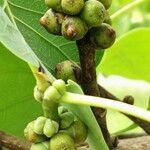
x=50, y=128
x=60, y=86
x=62, y=141
x=38, y=95
x=54, y=4
x=50, y=21
x=72, y=7
x=31, y=135
x=104, y=36
x=93, y=13
x=65, y=70
x=106, y=3
x=66, y=119
x=73, y=28
x=77, y=131
x=51, y=94
x=39, y=125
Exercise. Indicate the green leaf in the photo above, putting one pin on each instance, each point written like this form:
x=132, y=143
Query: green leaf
x=129, y=56
x=17, y=106
x=13, y=40
x=95, y=137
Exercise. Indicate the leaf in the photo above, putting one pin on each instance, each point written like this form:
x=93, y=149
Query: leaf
x=95, y=137
x=13, y=40
x=129, y=56
x=17, y=106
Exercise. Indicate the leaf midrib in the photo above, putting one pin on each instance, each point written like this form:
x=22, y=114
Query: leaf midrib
x=13, y=18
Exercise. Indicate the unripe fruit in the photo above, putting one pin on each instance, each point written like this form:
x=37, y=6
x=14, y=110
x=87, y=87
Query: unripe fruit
x=38, y=95
x=104, y=36
x=93, y=13
x=60, y=86
x=72, y=7
x=51, y=22
x=31, y=135
x=73, y=28
x=54, y=4
x=62, y=141
x=50, y=128
x=39, y=124
x=67, y=119
x=52, y=94
x=77, y=131
x=106, y=3
x=65, y=70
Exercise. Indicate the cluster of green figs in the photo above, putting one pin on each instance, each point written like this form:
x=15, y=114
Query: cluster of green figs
x=58, y=128
x=73, y=19
x=47, y=134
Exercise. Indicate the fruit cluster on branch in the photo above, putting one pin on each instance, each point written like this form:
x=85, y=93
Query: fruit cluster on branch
x=58, y=128
x=74, y=18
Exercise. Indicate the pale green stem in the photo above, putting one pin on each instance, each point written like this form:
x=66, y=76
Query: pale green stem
x=107, y=104
x=126, y=9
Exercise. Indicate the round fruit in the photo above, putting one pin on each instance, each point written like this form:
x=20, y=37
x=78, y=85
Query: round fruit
x=106, y=3
x=50, y=22
x=74, y=28
x=77, y=131
x=72, y=7
x=93, y=13
x=62, y=141
x=104, y=36
x=54, y=4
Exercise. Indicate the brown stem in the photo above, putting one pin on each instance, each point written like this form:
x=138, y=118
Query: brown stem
x=12, y=142
x=89, y=84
